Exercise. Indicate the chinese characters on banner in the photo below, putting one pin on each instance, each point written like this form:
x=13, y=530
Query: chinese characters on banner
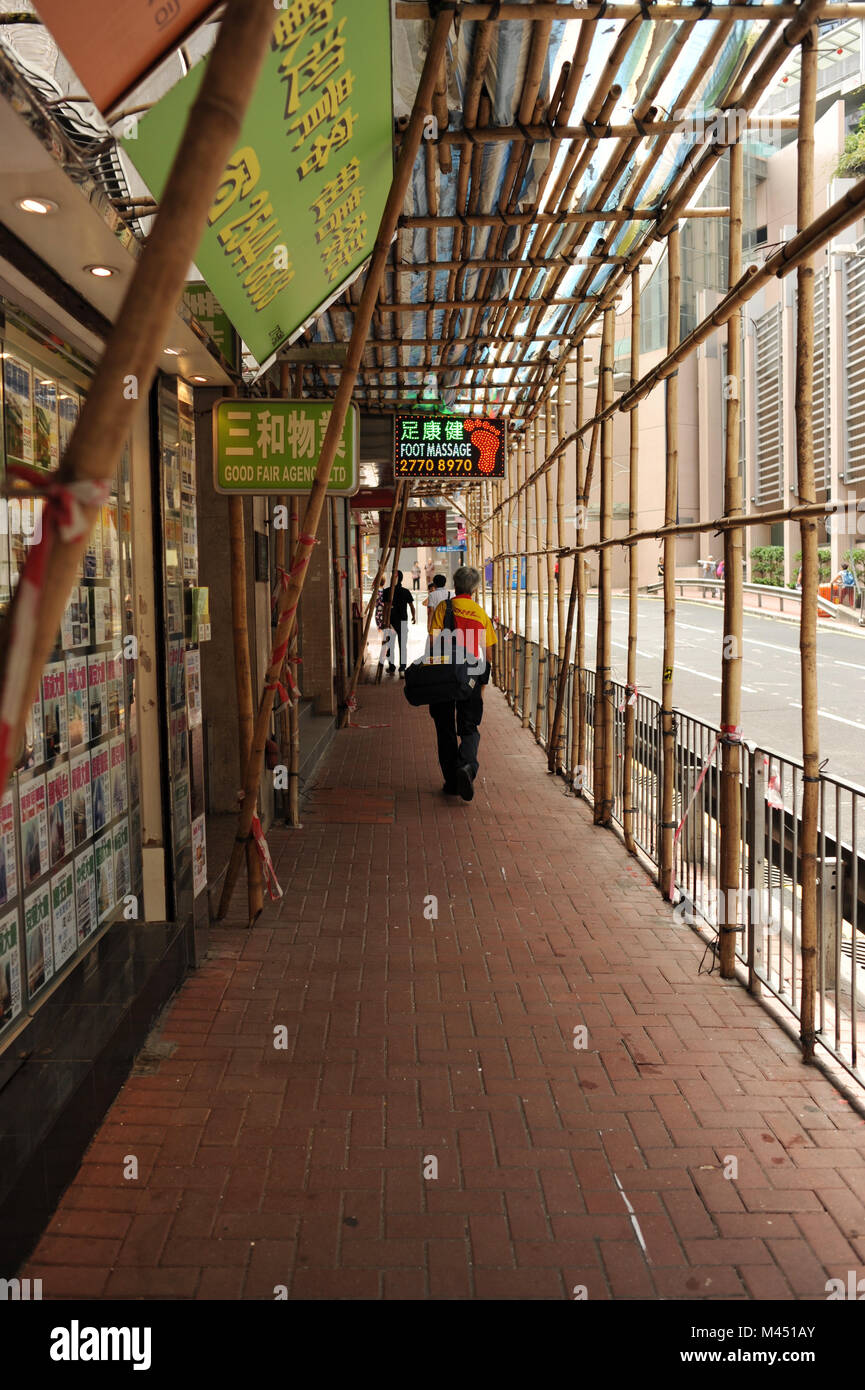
x=449, y=446
x=300, y=200
x=262, y=446
x=423, y=526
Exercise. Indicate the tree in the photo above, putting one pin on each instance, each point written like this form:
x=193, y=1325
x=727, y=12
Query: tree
x=852, y=162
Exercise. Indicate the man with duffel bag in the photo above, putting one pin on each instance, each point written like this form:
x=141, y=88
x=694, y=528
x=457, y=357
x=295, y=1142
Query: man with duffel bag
x=450, y=679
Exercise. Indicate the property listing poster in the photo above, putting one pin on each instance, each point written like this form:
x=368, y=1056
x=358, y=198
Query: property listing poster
x=33, y=816
x=110, y=544
x=122, y=868
x=199, y=857
x=54, y=710
x=101, y=598
x=119, y=791
x=98, y=696
x=116, y=703
x=100, y=786
x=82, y=811
x=75, y=623
x=67, y=418
x=46, y=443
x=18, y=408
x=76, y=702
x=37, y=935
x=85, y=893
x=63, y=915
x=8, y=866
x=10, y=969
x=59, y=813
x=103, y=851
x=34, y=736
x=193, y=688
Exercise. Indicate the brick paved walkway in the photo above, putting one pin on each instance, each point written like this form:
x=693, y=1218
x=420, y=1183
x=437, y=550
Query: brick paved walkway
x=410, y=1039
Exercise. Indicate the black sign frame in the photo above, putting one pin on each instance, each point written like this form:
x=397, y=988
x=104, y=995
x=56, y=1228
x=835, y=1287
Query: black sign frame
x=441, y=463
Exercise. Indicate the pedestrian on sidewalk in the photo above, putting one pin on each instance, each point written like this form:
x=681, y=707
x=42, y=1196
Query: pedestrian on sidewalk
x=415, y=575
x=399, y=610
x=457, y=722
x=439, y=593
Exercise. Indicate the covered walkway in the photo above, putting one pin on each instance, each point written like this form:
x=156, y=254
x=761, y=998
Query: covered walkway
x=308, y=1168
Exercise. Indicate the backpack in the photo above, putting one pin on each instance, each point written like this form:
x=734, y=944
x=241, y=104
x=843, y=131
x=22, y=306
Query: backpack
x=429, y=682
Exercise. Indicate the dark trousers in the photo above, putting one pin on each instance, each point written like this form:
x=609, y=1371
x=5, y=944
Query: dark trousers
x=415, y=583
x=457, y=730
x=401, y=629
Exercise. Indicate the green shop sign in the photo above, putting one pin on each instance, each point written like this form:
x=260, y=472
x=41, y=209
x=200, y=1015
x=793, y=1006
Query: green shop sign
x=300, y=201
x=266, y=446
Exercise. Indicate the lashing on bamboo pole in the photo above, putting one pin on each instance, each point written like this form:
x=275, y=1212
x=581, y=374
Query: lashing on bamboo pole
x=603, y=713
x=729, y=898
x=666, y=829
x=628, y=808
x=363, y=318
x=810, y=566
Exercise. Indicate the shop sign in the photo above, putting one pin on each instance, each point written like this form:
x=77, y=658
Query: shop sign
x=300, y=201
x=467, y=448
x=273, y=446
x=423, y=526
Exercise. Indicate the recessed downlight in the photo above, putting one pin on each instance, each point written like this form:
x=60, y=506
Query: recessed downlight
x=42, y=207
x=171, y=352
x=102, y=272
x=200, y=380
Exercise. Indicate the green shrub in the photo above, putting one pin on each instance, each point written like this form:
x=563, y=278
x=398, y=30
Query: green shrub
x=851, y=165
x=767, y=565
x=824, y=563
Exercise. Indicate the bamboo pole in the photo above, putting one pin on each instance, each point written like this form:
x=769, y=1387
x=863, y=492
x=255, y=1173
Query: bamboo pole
x=671, y=493
x=294, y=706
x=550, y=577
x=810, y=568
x=578, y=691
x=628, y=809
x=338, y=609
x=657, y=13
x=135, y=344
x=560, y=514
x=370, y=608
x=389, y=602
x=243, y=682
x=603, y=752
x=525, y=692
x=542, y=659
x=348, y=377
x=730, y=815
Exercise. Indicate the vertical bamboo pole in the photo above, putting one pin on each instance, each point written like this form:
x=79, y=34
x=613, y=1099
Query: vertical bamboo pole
x=540, y=569
x=525, y=691
x=550, y=567
x=603, y=760
x=338, y=610
x=243, y=682
x=578, y=692
x=808, y=532
x=370, y=608
x=389, y=603
x=556, y=762
x=671, y=497
x=729, y=916
x=514, y=576
x=279, y=535
x=633, y=575
x=294, y=707
x=560, y=510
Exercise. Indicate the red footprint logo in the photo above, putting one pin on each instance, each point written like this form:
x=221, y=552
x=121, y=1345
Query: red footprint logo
x=486, y=440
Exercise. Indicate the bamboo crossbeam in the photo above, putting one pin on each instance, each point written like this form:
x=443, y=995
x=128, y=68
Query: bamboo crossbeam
x=526, y=263
x=551, y=219
x=431, y=305
x=287, y=607
x=602, y=130
x=537, y=13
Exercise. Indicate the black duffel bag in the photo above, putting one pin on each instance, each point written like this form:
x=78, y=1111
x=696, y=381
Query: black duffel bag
x=437, y=677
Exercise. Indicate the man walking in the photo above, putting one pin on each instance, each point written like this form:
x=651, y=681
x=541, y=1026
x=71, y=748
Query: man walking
x=402, y=602
x=457, y=721
x=415, y=575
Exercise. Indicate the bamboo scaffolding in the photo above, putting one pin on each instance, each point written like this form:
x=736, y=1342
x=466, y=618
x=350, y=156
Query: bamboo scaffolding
x=552, y=598
x=603, y=711
x=602, y=130
x=386, y=627
x=542, y=655
x=628, y=809
x=525, y=692
x=560, y=517
x=691, y=13
x=338, y=609
x=243, y=682
x=294, y=706
x=730, y=815
x=578, y=584
x=519, y=650
x=135, y=344
x=667, y=826
x=362, y=321
x=370, y=608
x=810, y=568
x=577, y=217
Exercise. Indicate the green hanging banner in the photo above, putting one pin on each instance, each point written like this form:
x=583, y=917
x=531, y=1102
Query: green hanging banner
x=300, y=201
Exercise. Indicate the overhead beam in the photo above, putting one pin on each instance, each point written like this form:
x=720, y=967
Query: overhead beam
x=545, y=219
x=548, y=131
x=656, y=13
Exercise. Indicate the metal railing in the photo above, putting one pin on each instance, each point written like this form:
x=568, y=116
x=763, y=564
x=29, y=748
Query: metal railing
x=714, y=588
x=766, y=908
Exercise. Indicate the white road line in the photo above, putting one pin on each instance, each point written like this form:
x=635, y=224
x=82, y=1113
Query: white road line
x=692, y=627
x=704, y=674
x=824, y=714
x=851, y=664
x=634, y=1222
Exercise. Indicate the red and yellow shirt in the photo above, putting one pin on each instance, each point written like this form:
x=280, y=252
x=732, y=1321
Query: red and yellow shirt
x=471, y=620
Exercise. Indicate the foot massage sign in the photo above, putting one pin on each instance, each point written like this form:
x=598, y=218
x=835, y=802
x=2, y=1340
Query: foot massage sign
x=469, y=448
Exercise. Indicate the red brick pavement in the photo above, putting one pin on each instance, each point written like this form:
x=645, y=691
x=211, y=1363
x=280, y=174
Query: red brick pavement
x=430, y=1130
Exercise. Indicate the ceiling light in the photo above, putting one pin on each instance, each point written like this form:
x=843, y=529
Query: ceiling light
x=41, y=206
x=102, y=272
x=200, y=379
x=172, y=352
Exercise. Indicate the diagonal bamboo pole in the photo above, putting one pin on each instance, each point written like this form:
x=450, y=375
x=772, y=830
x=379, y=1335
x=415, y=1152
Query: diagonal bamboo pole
x=552, y=587
x=348, y=377
x=578, y=691
x=386, y=629
x=729, y=915
x=628, y=809
x=370, y=608
x=542, y=660
x=143, y=325
x=671, y=502
x=603, y=751
x=243, y=682
x=808, y=532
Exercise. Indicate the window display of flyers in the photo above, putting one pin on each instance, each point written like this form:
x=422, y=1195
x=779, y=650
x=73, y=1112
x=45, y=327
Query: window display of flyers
x=119, y=789
x=193, y=688
x=33, y=816
x=63, y=915
x=189, y=523
x=18, y=408
x=82, y=811
x=116, y=615
x=85, y=893
x=97, y=696
x=46, y=442
x=24, y=520
x=110, y=546
x=101, y=599
x=54, y=710
x=75, y=623
x=103, y=852
x=33, y=752
x=8, y=866
x=67, y=418
x=78, y=714
x=59, y=816
x=100, y=787
x=181, y=812
x=10, y=969
x=122, y=870
x=93, y=554
x=116, y=701
x=39, y=945
x=199, y=857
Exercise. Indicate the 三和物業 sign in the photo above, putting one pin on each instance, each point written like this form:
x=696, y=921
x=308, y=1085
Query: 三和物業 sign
x=301, y=198
x=264, y=446
x=423, y=526
x=449, y=446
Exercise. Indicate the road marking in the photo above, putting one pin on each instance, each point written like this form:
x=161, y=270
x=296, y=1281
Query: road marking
x=851, y=664
x=824, y=714
x=624, y=647
x=634, y=1222
x=692, y=627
